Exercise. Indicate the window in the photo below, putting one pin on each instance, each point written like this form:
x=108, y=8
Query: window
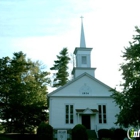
x=102, y=113
x=84, y=59
x=69, y=114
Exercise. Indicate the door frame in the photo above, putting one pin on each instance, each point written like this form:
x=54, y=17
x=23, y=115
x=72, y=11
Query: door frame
x=86, y=120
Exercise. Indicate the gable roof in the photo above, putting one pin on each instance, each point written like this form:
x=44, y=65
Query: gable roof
x=86, y=111
x=76, y=79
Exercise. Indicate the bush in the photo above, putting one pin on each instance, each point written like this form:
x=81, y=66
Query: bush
x=119, y=134
x=17, y=136
x=105, y=133
x=4, y=138
x=79, y=132
x=45, y=131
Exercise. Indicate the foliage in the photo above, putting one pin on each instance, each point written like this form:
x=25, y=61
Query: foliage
x=1, y=128
x=5, y=138
x=45, y=131
x=119, y=134
x=105, y=133
x=22, y=92
x=79, y=132
x=128, y=99
x=61, y=66
x=113, y=133
x=17, y=136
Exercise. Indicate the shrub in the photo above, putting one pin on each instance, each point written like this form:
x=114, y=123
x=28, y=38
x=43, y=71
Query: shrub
x=104, y=133
x=79, y=132
x=17, y=136
x=45, y=131
x=119, y=134
x=4, y=138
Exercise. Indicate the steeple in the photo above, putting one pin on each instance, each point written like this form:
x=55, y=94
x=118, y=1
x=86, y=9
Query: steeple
x=83, y=57
x=82, y=38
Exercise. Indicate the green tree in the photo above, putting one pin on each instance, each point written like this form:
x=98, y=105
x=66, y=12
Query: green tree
x=23, y=90
x=61, y=66
x=129, y=98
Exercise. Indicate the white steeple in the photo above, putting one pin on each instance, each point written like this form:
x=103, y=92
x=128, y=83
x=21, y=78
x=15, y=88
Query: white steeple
x=82, y=39
x=83, y=59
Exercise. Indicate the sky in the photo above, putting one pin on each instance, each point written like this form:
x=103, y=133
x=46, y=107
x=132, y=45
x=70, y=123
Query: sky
x=42, y=28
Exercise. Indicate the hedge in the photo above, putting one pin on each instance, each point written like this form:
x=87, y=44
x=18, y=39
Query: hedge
x=79, y=132
x=45, y=131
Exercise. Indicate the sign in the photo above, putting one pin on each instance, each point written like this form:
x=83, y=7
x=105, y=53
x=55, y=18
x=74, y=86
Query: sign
x=132, y=133
x=61, y=134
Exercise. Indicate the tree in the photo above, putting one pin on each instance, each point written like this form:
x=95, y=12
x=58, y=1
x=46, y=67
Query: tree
x=129, y=98
x=23, y=92
x=61, y=66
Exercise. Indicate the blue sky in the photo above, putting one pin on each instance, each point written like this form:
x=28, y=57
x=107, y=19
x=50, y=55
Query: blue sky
x=41, y=28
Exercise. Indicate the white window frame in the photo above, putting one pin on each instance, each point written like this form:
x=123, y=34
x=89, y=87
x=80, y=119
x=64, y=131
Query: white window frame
x=103, y=114
x=70, y=114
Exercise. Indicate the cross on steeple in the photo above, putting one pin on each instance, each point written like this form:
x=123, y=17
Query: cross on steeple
x=81, y=18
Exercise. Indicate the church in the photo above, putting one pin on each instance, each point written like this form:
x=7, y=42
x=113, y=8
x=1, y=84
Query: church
x=84, y=100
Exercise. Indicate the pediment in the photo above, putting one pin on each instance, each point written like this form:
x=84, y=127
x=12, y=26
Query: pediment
x=86, y=111
x=84, y=85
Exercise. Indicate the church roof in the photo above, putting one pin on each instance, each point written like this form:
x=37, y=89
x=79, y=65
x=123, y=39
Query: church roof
x=81, y=49
x=76, y=79
x=82, y=68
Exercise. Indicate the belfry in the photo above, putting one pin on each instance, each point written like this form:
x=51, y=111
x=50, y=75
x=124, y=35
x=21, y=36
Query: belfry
x=83, y=56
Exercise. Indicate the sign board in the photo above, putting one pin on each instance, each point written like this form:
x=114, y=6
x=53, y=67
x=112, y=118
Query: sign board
x=61, y=134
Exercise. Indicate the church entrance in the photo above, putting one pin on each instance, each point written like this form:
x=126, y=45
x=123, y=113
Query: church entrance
x=86, y=121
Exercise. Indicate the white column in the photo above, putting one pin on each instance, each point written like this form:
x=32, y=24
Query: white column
x=78, y=119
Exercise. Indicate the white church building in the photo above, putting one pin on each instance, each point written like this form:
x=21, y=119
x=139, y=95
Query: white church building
x=84, y=100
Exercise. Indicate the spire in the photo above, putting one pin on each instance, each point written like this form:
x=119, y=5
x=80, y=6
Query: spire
x=82, y=39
